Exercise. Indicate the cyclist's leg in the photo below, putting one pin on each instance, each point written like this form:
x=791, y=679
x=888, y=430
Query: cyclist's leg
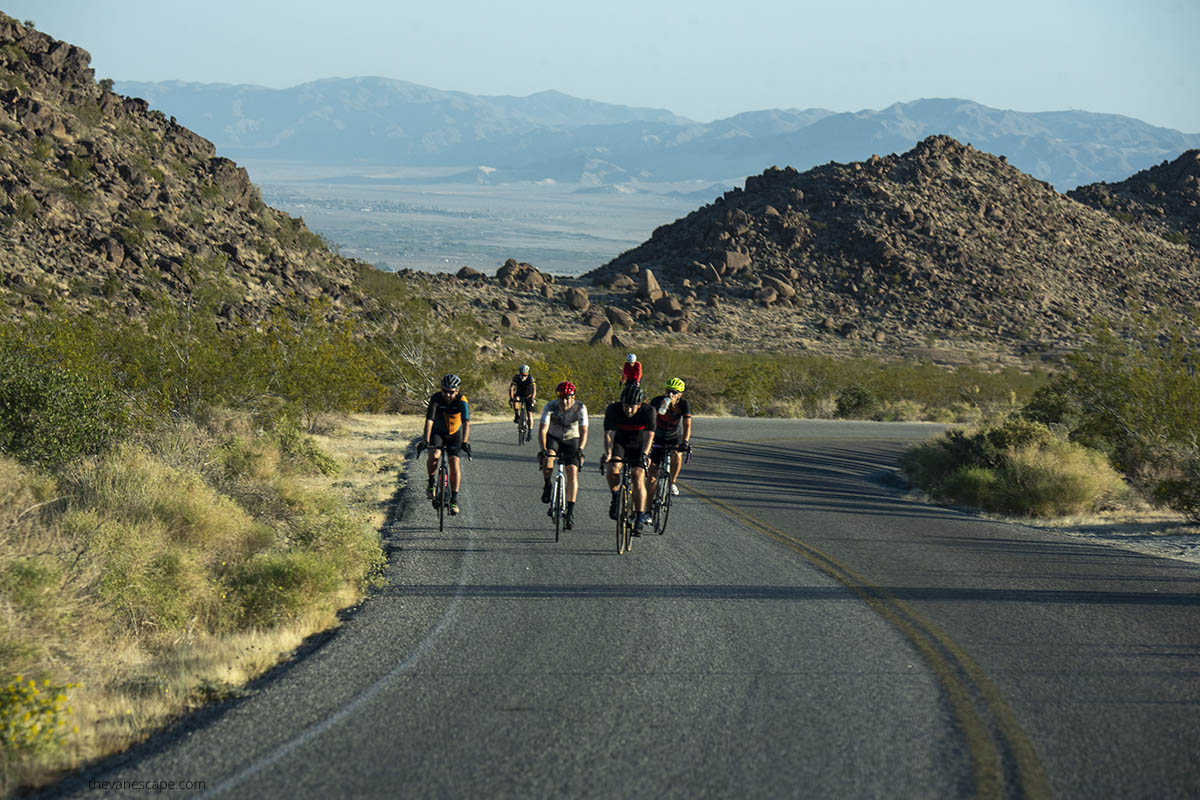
x=639, y=488
x=548, y=467
x=676, y=466
x=657, y=453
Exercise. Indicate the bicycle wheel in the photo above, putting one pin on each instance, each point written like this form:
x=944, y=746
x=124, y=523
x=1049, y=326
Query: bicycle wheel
x=661, y=493
x=630, y=515
x=622, y=510
x=443, y=495
x=666, y=507
x=557, y=502
x=521, y=429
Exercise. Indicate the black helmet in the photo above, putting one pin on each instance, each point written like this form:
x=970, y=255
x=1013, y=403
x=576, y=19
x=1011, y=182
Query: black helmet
x=451, y=381
x=632, y=395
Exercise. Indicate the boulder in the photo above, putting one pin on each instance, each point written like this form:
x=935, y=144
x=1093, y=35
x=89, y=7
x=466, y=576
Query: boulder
x=668, y=305
x=509, y=321
x=622, y=283
x=648, y=288
x=619, y=316
x=733, y=261
x=603, y=334
x=467, y=273
x=578, y=299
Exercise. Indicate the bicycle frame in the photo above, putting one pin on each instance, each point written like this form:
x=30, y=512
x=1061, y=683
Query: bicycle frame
x=627, y=514
x=558, y=496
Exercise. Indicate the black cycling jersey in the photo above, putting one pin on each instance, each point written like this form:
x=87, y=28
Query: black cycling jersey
x=628, y=428
x=524, y=385
x=668, y=426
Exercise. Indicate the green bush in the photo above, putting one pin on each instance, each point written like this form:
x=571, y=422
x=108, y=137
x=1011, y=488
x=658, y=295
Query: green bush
x=856, y=402
x=1019, y=467
x=50, y=416
x=1134, y=394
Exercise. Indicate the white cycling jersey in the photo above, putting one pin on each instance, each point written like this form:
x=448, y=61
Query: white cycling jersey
x=564, y=424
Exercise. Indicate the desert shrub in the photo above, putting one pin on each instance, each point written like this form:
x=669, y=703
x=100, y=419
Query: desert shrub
x=1053, y=479
x=274, y=587
x=1133, y=393
x=35, y=717
x=1019, y=467
x=50, y=415
x=973, y=486
x=856, y=402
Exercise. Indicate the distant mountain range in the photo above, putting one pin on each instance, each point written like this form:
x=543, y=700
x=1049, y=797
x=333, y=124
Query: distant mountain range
x=551, y=135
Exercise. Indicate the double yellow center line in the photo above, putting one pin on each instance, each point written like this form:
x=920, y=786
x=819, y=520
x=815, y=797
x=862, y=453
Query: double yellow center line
x=993, y=735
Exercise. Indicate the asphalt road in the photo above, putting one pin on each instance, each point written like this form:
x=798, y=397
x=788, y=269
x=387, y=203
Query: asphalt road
x=801, y=631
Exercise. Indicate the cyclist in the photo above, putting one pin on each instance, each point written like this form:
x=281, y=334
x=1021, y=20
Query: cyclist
x=447, y=426
x=522, y=394
x=631, y=370
x=563, y=434
x=673, y=429
x=628, y=434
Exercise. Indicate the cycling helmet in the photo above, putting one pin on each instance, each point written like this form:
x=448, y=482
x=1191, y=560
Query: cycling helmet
x=524, y=369
x=675, y=385
x=632, y=395
x=451, y=381
x=631, y=358
x=565, y=388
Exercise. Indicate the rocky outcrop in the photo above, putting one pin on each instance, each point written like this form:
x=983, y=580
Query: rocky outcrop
x=943, y=239
x=1164, y=200
x=104, y=201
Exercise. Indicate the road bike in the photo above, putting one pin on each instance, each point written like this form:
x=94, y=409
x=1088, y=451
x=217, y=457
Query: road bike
x=523, y=433
x=661, y=509
x=627, y=513
x=558, y=496
x=441, y=483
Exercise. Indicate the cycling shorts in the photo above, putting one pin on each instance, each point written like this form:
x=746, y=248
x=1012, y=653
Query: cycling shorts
x=567, y=449
x=629, y=451
x=658, y=450
x=450, y=442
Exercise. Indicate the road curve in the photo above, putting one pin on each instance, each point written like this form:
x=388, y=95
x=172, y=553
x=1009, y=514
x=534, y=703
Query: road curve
x=802, y=630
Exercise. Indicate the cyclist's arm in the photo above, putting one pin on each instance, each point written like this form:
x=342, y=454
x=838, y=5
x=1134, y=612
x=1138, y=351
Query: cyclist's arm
x=428, y=430
x=544, y=426
x=583, y=427
x=608, y=444
x=687, y=428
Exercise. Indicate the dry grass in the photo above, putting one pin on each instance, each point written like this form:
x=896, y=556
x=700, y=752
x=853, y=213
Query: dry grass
x=136, y=583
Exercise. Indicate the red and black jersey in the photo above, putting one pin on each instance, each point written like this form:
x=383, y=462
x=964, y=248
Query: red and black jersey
x=626, y=427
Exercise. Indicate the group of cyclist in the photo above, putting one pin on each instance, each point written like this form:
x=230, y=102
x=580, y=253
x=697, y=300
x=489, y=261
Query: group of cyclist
x=637, y=435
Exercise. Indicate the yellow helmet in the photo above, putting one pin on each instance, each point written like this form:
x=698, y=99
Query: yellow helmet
x=675, y=385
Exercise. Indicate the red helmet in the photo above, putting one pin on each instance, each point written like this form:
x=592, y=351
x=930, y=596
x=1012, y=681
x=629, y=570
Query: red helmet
x=565, y=388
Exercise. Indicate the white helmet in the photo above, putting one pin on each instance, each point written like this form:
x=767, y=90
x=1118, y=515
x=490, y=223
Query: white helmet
x=629, y=359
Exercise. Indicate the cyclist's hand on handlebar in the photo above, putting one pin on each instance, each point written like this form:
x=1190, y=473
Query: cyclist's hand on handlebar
x=422, y=447
x=644, y=460
x=466, y=448
x=686, y=447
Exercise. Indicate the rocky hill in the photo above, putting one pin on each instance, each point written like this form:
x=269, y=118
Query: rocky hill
x=103, y=199
x=944, y=240
x=1164, y=199
x=106, y=202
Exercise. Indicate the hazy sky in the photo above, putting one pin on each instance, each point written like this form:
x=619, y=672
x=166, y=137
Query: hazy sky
x=700, y=58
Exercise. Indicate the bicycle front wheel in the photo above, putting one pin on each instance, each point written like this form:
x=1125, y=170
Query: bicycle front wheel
x=443, y=496
x=622, y=510
x=556, y=503
x=662, y=495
